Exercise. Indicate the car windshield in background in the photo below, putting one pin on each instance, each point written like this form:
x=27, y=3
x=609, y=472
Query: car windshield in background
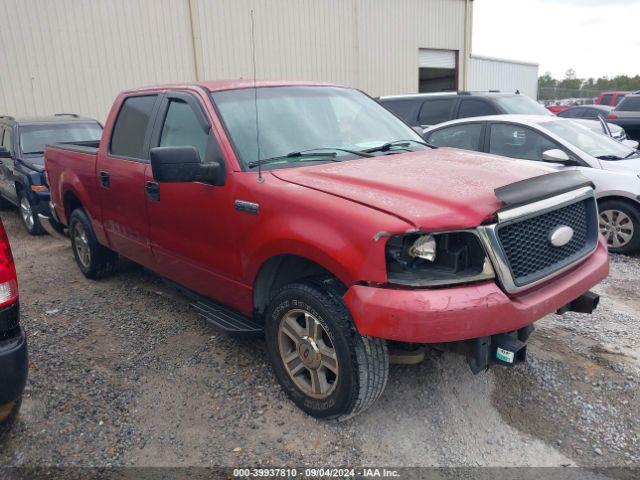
x=521, y=105
x=34, y=138
x=299, y=119
x=595, y=144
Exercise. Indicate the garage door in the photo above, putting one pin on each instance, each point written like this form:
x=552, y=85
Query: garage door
x=438, y=70
x=430, y=58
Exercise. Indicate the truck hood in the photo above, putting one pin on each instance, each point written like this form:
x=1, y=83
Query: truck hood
x=34, y=162
x=436, y=189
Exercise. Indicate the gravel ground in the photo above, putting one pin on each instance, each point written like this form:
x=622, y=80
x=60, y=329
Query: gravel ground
x=122, y=372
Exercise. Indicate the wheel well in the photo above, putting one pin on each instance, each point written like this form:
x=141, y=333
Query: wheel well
x=71, y=202
x=277, y=272
x=628, y=201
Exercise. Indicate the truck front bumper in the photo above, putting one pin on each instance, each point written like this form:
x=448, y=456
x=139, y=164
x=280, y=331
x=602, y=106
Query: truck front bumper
x=467, y=311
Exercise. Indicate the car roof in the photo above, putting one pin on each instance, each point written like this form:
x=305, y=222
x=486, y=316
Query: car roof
x=56, y=118
x=219, y=85
x=448, y=94
x=515, y=118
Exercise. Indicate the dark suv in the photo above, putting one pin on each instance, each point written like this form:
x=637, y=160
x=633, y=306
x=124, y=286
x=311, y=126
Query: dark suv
x=22, y=142
x=427, y=109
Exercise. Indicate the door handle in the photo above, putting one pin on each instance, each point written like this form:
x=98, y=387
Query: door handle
x=153, y=191
x=104, y=179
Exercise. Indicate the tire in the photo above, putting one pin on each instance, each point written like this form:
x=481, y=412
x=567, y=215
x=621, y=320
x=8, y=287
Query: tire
x=28, y=215
x=619, y=223
x=93, y=259
x=361, y=363
x=11, y=419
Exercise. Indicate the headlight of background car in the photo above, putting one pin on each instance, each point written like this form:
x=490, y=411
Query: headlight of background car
x=422, y=260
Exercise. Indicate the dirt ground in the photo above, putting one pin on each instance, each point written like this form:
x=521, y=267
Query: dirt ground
x=122, y=372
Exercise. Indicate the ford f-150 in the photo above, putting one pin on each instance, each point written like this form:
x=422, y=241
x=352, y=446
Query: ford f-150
x=312, y=214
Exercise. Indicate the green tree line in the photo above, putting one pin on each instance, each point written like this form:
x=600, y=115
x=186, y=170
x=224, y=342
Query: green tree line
x=573, y=87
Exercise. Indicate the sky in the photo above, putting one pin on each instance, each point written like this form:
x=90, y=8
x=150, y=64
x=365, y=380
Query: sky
x=594, y=37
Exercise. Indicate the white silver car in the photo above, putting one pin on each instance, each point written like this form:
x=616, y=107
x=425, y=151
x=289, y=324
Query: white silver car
x=614, y=167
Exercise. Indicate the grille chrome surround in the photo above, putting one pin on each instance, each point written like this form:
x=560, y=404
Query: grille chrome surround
x=537, y=212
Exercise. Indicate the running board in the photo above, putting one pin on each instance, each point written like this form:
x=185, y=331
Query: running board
x=225, y=318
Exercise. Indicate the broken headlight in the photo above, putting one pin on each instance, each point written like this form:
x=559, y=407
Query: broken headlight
x=427, y=260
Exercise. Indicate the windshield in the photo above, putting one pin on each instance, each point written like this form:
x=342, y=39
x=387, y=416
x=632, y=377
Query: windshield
x=33, y=138
x=595, y=144
x=299, y=119
x=521, y=105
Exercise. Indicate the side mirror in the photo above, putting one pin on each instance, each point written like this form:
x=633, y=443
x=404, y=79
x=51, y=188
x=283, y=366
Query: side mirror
x=555, y=155
x=182, y=164
x=4, y=153
x=631, y=144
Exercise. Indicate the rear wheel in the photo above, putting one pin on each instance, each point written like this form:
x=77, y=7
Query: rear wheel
x=93, y=259
x=28, y=215
x=9, y=414
x=324, y=365
x=619, y=223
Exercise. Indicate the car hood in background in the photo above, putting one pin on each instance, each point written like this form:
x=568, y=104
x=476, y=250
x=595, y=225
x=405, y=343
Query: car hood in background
x=442, y=188
x=34, y=162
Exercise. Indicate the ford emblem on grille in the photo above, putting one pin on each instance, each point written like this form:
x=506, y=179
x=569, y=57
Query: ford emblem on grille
x=561, y=235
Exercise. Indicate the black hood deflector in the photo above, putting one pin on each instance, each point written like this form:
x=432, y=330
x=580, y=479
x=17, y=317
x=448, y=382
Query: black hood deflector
x=541, y=187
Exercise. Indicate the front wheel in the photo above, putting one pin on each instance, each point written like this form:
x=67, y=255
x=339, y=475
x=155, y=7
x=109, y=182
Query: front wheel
x=93, y=259
x=619, y=223
x=28, y=215
x=322, y=363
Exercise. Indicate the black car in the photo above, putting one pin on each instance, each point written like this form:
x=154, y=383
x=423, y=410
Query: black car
x=427, y=109
x=22, y=142
x=591, y=112
x=13, y=342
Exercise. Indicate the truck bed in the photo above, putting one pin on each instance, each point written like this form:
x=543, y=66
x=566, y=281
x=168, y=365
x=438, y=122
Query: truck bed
x=72, y=164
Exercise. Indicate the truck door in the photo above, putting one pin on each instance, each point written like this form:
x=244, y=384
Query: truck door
x=120, y=172
x=191, y=228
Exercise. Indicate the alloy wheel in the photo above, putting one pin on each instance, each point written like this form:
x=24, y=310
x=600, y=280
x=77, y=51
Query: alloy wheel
x=616, y=227
x=81, y=244
x=308, y=354
x=26, y=213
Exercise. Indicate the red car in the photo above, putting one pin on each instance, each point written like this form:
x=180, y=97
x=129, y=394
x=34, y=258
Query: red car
x=312, y=214
x=13, y=342
x=611, y=98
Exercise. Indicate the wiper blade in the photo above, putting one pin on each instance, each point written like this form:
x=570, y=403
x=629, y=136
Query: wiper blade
x=398, y=143
x=308, y=154
x=635, y=152
x=609, y=157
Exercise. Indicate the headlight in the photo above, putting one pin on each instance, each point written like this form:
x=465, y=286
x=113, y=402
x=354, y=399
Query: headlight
x=422, y=260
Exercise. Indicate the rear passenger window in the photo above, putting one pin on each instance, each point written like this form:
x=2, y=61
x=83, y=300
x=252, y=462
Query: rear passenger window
x=436, y=111
x=475, y=108
x=127, y=139
x=630, y=104
x=181, y=128
x=606, y=99
x=405, y=109
x=466, y=136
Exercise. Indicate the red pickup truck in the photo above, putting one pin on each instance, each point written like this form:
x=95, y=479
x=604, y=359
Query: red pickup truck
x=312, y=214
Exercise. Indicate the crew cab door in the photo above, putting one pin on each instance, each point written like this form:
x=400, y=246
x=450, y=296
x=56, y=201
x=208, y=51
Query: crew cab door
x=191, y=223
x=120, y=171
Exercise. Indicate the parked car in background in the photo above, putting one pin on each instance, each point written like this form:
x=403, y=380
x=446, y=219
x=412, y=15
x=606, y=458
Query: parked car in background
x=13, y=342
x=589, y=116
x=611, y=98
x=326, y=223
x=22, y=142
x=427, y=109
x=627, y=116
x=612, y=166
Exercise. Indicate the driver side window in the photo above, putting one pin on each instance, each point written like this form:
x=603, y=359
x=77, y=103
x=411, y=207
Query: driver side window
x=181, y=128
x=516, y=141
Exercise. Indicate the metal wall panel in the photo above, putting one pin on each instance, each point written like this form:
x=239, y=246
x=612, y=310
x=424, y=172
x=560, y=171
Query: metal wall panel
x=76, y=55
x=486, y=73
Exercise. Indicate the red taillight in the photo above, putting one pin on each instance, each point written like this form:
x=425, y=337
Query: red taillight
x=612, y=115
x=8, y=277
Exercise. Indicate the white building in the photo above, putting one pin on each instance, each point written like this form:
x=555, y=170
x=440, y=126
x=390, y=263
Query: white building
x=76, y=55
